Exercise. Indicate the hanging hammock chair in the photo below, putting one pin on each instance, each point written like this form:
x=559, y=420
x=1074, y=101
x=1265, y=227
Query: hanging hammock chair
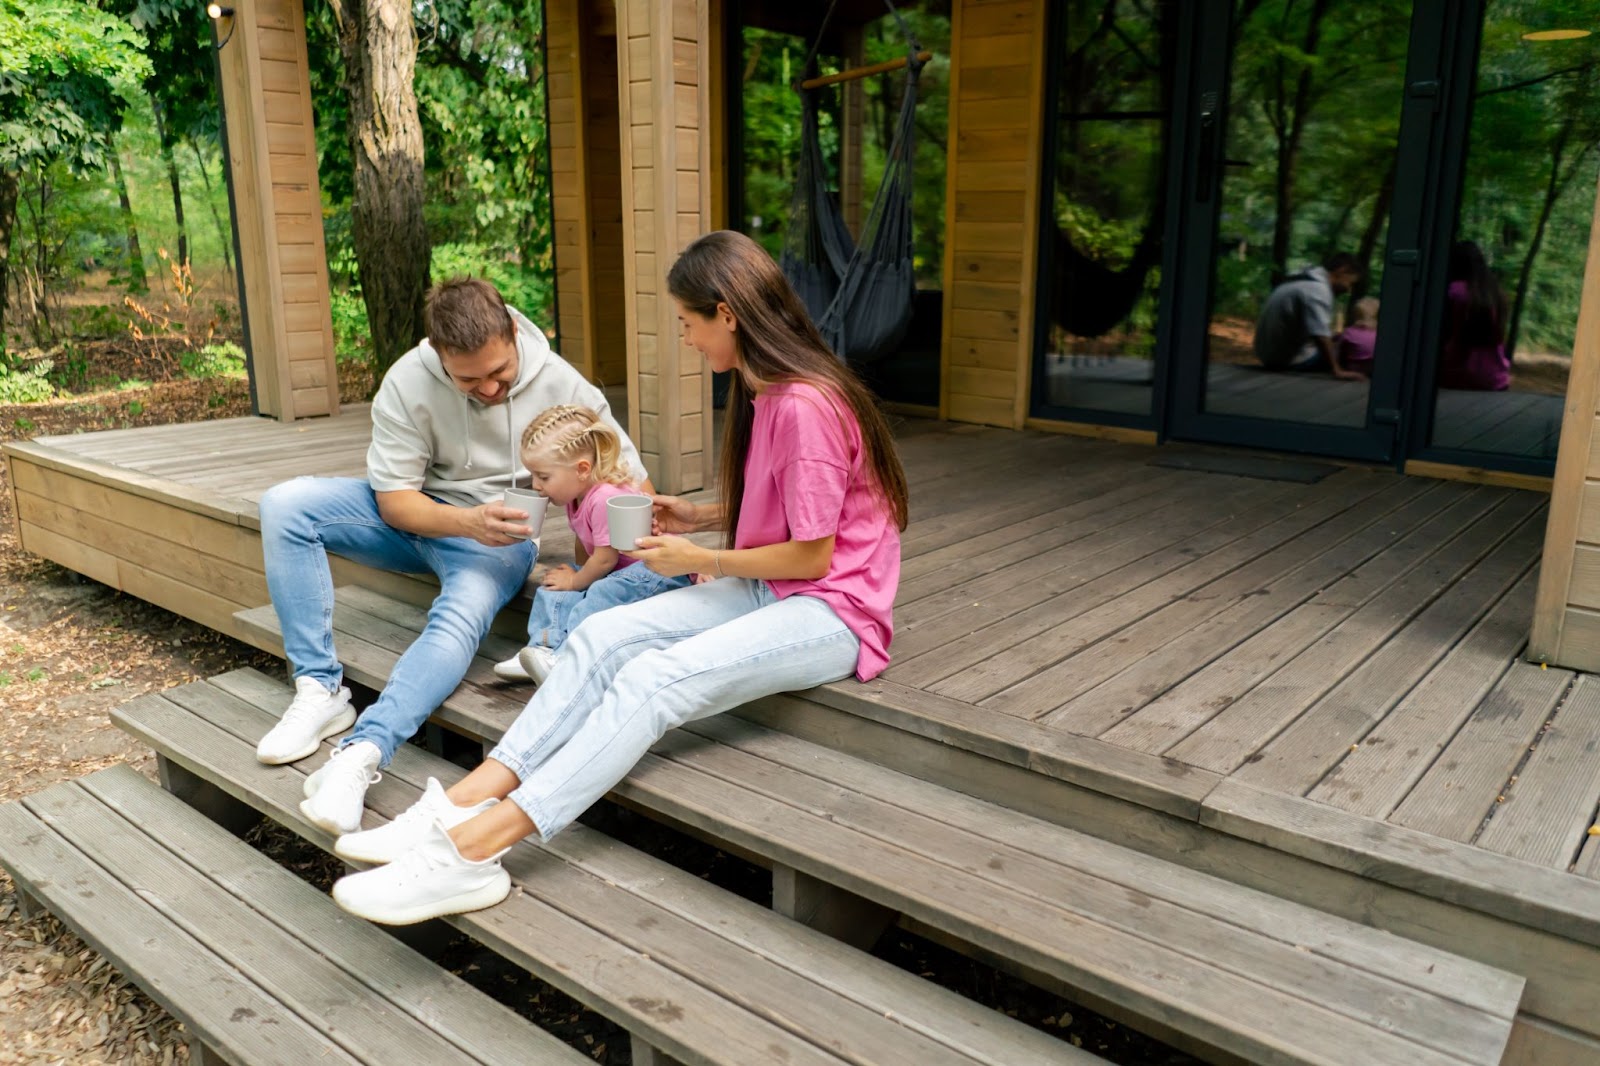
x=1088, y=298
x=861, y=296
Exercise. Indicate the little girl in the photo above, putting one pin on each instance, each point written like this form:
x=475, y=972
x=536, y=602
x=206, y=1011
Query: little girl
x=575, y=460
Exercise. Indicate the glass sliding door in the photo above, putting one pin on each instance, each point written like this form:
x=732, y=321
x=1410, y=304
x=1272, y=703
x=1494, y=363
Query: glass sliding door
x=1496, y=366
x=1112, y=79
x=1311, y=125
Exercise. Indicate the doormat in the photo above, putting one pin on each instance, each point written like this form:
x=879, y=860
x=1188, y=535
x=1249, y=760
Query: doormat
x=1249, y=466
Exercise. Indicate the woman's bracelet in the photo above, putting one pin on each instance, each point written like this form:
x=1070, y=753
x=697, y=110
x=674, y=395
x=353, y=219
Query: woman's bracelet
x=716, y=561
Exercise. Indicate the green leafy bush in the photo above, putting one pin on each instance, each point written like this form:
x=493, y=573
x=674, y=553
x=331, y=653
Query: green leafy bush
x=352, y=343
x=26, y=384
x=213, y=361
x=528, y=290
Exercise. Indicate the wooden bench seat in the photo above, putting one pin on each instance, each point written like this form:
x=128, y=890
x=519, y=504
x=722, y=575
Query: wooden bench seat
x=1198, y=959
x=258, y=965
x=696, y=974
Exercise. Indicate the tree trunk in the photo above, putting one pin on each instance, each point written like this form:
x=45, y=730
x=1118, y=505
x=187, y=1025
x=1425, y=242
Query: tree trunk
x=224, y=234
x=1289, y=143
x=137, y=282
x=8, y=219
x=172, y=177
x=379, y=44
x=1369, y=236
x=1552, y=193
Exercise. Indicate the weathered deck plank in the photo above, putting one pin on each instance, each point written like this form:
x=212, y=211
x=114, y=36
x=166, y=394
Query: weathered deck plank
x=1372, y=780
x=1546, y=812
x=1456, y=795
x=1320, y=640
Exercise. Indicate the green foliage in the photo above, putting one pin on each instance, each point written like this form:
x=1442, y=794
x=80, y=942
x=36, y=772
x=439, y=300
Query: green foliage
x=66, y=71
x=26, y=384
x=351, y=342
x=528, y=289
x=213, y=361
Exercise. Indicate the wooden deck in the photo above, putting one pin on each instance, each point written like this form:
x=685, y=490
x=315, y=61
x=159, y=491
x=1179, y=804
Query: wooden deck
x=1503, y=423
x=1328, y=669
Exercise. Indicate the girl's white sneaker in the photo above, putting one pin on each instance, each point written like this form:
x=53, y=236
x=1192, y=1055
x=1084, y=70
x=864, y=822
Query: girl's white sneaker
x=537, y=661
x=511, y=670
x=429, y=881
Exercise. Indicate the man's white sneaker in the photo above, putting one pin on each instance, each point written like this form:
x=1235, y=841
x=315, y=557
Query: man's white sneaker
x=338, y=790
x=313, y=715
x=428, y=881
x=538, y=661
x=388, y=842
x=511, y=670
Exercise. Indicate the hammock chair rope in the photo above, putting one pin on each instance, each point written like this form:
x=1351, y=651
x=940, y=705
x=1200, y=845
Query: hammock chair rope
x=861, y=295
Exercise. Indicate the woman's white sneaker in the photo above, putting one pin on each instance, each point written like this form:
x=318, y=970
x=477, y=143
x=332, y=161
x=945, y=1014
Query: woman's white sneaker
x=388, y=842
x=313, y=715
x=336, y=793
x=429, y=881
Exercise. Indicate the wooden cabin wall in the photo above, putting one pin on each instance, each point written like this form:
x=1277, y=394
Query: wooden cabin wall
x=664, y=53
x=1566, y=619
x=997, y=58
x=283, y=262
x=586, y=186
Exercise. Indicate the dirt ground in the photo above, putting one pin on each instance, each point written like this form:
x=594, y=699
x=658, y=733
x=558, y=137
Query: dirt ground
x=71, y=649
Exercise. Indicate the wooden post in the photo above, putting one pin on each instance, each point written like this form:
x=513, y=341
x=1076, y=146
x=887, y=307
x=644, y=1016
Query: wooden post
x=233, y=814
x=991, y=244
x=852, y=128
x=1566, y=614
x=586, y=187
x=828, y=909
x=277, y=207
x=645, y=1054
x=663, y=77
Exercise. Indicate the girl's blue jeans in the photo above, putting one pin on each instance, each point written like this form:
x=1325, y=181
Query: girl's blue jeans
x=304, y=519
x=556, y=614
x=630, y=674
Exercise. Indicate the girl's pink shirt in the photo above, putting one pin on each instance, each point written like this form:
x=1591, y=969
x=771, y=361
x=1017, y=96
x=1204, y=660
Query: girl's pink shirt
x=587, y=517
x=805, y=478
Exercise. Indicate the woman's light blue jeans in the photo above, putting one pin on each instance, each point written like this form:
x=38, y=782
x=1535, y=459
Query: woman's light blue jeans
x=630, y=674
x=304, y=519
x=556, y=614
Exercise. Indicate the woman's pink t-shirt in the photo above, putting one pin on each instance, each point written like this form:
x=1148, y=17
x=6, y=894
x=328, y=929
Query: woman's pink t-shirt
x=805, y=478
x=587, y=517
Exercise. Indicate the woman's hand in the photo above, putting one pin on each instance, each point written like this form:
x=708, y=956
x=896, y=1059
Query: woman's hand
x=674, y=515
x=560, y=578
x=672, y=556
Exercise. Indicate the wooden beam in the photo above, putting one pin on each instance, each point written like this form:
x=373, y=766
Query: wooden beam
x=1574, y=466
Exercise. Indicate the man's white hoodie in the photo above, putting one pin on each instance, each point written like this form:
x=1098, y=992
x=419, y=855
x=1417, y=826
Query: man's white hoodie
x=430, y=436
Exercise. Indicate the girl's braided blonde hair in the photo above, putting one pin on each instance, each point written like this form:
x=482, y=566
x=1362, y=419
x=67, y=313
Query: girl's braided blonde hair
x=566, y=433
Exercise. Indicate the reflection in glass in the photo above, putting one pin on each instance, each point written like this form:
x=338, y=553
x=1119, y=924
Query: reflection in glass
x=1306, y=181
x=1113, y=67
x=1516, y=268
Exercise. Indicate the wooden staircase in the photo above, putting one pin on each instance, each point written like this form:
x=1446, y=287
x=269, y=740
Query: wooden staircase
x=1228, y=971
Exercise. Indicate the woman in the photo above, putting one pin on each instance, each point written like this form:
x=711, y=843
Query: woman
x=813, y=499
x=1474, y=352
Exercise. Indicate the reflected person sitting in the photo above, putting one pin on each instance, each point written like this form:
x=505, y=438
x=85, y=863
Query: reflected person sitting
x=1358, y=341
x=1295, y=331
x=1473, y=355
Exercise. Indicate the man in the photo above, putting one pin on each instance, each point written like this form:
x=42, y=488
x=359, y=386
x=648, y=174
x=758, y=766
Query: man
x=446, y=425
x=1295, y=331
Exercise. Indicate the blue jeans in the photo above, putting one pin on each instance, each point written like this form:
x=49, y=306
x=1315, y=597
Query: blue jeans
x=630, y=674
x=304, y=519
x=556, y=614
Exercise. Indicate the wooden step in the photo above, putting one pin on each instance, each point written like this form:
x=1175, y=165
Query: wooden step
x=258, y=965
x=695, y=973
x=1183, y=954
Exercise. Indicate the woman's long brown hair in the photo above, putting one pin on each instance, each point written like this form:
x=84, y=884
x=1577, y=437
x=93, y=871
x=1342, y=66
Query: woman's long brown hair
x=777, y=343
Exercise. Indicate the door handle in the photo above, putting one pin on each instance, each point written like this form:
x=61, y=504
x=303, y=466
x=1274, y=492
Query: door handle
x=1208, y=151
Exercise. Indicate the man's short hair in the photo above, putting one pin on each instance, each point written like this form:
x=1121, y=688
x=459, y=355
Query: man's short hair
x=1345, y=262
x=463, y=314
